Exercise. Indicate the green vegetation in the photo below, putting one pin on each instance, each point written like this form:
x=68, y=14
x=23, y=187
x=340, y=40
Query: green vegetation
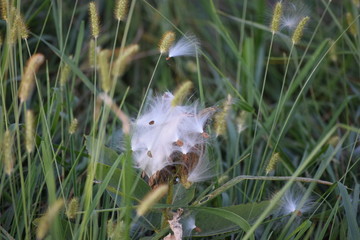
x=283, y=143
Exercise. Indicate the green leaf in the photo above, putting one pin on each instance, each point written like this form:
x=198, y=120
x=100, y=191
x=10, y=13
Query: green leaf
x=182, y=196
x=350, y=213
x=329, y=219
x=300, y=231
x=106, y=155
x=141, y=189
x=227, y=219
x=107, y=158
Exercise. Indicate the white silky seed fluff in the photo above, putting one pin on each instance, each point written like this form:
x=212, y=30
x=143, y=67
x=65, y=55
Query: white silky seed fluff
x=156, y=131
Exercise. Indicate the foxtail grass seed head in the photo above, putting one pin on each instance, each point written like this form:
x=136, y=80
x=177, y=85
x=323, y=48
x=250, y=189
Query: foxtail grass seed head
x=121, y=9
x=28, y=78
x=221, y=117
x=186, y=46
x=47, y=220
x=296, y=37
x=191, y=66
x=73, y=126
x=4, y=9
x=152, y=198
x=23, y=29
x=181, y=93
x=110, y=228
x=94, y=20
x=333, y=51
x=72, y=208
x=275, y=23
x=166, y=41
x=334, y=140
x=351, y=23
x=29, y=131
x=104, y=66
x=8, y=157
x=13, y=35
x=241, y=121
x=115, y=230
x=109, y=102
x=92, y=52
x=18, y=28
x=123, y=59
x=64, y=74
x=223, y=179
x=275, y=158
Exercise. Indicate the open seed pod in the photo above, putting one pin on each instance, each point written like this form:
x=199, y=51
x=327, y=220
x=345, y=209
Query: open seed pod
x=168, y=142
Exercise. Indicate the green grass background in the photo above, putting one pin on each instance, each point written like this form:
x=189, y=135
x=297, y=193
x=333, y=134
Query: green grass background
x=302, y=103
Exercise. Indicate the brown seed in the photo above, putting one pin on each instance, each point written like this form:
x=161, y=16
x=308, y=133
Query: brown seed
x=162, y=176
x=149, y=154
x=179, y=143
x=205, y=135
x=197, y=229
x=151, y=122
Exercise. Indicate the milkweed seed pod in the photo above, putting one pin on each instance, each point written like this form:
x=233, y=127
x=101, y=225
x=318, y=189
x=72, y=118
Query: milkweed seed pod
x=168, y=142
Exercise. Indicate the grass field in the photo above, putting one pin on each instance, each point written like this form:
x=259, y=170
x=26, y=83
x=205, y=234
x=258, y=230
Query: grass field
x=259, y=141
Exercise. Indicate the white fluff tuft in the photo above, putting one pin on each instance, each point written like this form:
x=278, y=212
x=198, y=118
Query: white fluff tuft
x=202, y=171
x=186, y=46
x=293, y=12
x=292, y=202
x=163, y=130
x=188, y=224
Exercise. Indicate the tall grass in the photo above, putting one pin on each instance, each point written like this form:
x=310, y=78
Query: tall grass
x=296, y=99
